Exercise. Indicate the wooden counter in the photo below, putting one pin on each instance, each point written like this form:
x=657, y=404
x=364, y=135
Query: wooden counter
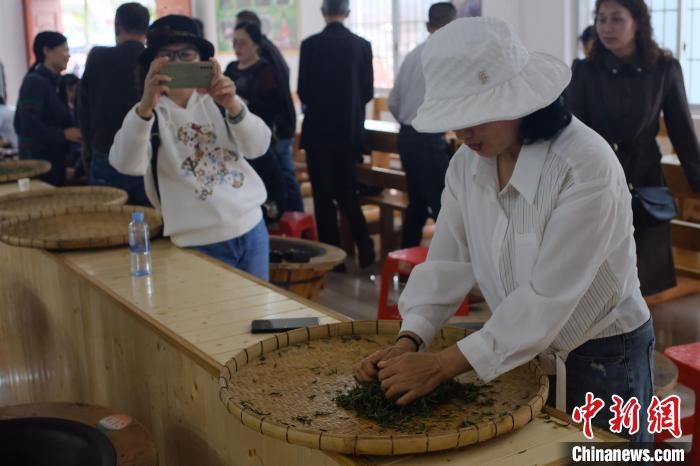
x=77, y=327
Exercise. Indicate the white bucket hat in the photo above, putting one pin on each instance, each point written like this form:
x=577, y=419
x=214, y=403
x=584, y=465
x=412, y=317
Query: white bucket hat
x=477, y=71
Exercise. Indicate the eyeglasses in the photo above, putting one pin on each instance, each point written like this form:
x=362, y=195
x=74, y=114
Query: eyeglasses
x=187, y=54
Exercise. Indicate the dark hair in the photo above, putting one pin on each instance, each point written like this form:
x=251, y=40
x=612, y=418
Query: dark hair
x=250, y=17
x=648, y=50
x=587, y=34
x=441, y=14
x=545, y=123
x=335, y=7
x=132, y=18
x=252, y=30
x=45, y=39
x=65, y=82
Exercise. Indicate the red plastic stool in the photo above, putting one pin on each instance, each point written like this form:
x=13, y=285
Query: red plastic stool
x=403, y=261
x=294, y=225
x=687, y=358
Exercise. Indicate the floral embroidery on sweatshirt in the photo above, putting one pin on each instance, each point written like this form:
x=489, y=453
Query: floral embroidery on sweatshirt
x=209, y=162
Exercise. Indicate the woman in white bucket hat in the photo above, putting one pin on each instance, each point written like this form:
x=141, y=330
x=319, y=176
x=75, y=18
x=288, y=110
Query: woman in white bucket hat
x=536, y=210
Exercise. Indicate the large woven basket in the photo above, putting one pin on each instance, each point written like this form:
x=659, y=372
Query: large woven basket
x=79, y=227
x=42, y=200
x=11, y=170
x=304, y=278
x=285, y=386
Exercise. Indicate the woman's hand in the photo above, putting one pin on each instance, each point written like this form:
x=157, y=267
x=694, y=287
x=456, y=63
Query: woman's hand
x=410, y=376
x=367, y=371
x=153, y=87
x=223, y=91
x=72, y=134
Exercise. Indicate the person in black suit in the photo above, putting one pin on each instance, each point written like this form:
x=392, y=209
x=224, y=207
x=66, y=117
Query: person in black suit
x=107, y=93
x=335, y=83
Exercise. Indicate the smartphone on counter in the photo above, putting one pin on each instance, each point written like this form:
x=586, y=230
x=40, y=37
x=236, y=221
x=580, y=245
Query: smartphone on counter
x=189, y=75
x=282, y=325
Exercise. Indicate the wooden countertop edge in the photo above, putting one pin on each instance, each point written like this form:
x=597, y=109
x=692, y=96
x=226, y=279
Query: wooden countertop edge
x=210, y=364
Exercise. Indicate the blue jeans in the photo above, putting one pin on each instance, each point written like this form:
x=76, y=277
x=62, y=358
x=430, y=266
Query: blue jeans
x=249, y=252
x=103, y=174
x=283, y=151
x=621, y=365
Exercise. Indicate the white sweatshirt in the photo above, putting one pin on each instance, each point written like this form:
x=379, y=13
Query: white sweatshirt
x=208, y=191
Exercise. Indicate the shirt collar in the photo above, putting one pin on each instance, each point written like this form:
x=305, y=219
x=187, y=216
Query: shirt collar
x=528, y=169
x=526, y=176
x=614, y=65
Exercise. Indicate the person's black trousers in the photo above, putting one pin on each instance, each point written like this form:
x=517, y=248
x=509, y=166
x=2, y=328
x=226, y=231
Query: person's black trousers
x=334, y=181
x=425, y=158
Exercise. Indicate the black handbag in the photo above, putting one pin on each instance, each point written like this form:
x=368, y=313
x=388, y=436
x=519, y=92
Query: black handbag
x=652, y=205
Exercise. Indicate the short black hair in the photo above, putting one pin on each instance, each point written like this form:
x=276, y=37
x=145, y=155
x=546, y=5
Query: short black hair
x=335, y=7
x=545, y=123
x=441, y=14
x=133, y=18
x=587, y=34
x=249, y=16
x=253, y=31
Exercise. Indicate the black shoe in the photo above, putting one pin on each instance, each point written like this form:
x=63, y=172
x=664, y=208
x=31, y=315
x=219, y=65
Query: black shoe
x=366, y=257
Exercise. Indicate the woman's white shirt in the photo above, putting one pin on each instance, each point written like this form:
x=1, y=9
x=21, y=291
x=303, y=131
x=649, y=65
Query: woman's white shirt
x=553, y=252
x=208, y=191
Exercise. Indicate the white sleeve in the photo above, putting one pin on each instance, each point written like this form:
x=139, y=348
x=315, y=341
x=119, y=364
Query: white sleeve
x=437, y=287
x=250, y=135
x=586, y=224
x=130, y=153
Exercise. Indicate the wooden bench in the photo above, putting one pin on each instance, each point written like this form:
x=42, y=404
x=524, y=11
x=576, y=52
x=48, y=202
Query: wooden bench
x=390, y=200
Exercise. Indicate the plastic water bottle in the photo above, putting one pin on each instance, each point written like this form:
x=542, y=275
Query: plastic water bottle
x=139, y=245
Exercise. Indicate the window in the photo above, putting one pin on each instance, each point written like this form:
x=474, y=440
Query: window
x=87, y=24
x=676, y=24
x=394, y=31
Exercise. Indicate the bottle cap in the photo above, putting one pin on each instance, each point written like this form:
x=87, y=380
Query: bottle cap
x=137, y=216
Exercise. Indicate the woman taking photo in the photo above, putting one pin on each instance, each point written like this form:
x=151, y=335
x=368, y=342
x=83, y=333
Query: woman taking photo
x=536, y=211
x=270, y=99
x=42, y=120
x=191, y=148
x=620, y=91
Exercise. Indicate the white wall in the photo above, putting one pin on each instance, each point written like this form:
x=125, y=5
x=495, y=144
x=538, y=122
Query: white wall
x=549, y=26
x=13, y=50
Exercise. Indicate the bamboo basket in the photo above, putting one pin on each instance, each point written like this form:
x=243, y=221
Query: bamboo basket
x=51, y=200
x=12, y=170
x=304, y=278
x=284, y=387
x=78, y=227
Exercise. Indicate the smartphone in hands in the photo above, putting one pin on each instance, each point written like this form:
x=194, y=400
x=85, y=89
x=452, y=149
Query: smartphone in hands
x=189, y=75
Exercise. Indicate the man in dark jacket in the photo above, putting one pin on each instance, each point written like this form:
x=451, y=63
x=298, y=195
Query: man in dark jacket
x=335, y=84
x=107, y=92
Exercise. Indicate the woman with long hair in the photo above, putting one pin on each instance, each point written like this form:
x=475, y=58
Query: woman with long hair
x=269, y=98
x=42, y=120
x=620, y=91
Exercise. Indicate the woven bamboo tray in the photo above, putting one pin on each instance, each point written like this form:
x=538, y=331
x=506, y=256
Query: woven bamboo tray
x=304, y=278
x=79, y=227
x=11, y=170
x=42, y=200
x=284, y=387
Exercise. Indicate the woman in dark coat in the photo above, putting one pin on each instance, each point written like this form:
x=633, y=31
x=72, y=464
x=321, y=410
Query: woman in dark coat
x=42, y=121
x=267, y=97
x=620, y=91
